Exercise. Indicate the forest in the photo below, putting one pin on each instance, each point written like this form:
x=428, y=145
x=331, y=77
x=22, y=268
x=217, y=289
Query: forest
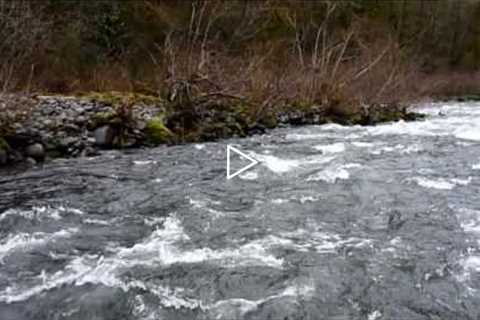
x=268, y=51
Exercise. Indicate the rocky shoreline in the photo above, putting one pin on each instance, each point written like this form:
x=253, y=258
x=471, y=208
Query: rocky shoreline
x=38, y=128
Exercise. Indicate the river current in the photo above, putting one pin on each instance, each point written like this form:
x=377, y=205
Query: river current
x=336, y=222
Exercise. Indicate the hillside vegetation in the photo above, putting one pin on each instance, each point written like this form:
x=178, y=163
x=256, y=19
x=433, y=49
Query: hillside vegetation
x=370, y=51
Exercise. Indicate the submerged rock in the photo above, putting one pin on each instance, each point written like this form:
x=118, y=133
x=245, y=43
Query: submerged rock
x=35, y=151
x=30, y=161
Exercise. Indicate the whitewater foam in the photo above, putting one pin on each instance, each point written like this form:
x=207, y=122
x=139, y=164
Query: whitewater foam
x=398, y=148
x=333, y=173
x=361, y=144
x=144, y=162
x=237, y=307
x=40, y=213
x=158, y=249
x=204, y=205
x=252, y=175
x=25, y=241
x=440, y=183
x=276, y=164
x=331, y=148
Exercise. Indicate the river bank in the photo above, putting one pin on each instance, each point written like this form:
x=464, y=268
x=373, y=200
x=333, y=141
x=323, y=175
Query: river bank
x=38, y=128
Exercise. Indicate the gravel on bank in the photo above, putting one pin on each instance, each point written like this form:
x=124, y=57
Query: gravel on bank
x=37, y=128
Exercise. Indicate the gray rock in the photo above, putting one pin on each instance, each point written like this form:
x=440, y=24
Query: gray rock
x=3, y=157
x=80, y=120
x=47, y=123
x=104, y=136
x=36, y=151
x=62, y=117
x=68, y=141
x=30, y=161
x=71, y=127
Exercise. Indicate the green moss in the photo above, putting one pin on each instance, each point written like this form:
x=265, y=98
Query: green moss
x=102, y=118
x=156, y=132
x=269, y=120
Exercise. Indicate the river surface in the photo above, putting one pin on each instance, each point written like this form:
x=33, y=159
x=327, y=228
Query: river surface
x=335, y=223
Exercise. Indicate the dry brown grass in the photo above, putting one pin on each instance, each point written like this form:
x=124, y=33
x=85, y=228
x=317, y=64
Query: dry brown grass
x=318, y=64
x=448, y=84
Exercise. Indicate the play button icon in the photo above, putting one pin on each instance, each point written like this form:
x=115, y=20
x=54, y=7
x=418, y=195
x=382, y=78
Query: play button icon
x=231, y=150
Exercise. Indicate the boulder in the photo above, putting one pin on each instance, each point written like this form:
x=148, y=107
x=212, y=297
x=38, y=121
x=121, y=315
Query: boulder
x=35, y=151
x=104, y=136
x=30, y=161
x=156, y=132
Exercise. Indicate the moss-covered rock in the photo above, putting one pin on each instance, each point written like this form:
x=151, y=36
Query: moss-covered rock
x=157, y=133
x=113, y=98
x=102, y=118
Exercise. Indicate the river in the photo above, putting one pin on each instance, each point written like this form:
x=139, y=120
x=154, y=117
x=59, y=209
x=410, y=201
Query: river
x=336, y=222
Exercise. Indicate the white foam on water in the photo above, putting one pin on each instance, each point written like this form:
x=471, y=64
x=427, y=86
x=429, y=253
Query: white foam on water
x=472, y=134
x=71, y=210
x=236, y=308
x=280, y=201
x=471, y=227
x=277, y=165
x=470, y=220
x=440, y=183
x=169, y=297
x=461, y=182
x=471, y=263
x=251, y=254
x=26, y=241
x=398, y=148
x=306, y=136
x=416, y=128
x=153, y=221
x=307, y=162
x=320, y=241
x=199, y=146
x=476, y=166
x=330, y=175
x=96, y=270
x=41, y=212
x=461, y=122
x=374, y=315
x=305, y=199
x=361, y=144
x=302, y=199
x=251, y=175
x=333, y=173
x=159, y=249
x=203, y=205
x=331, y=148
x=470, y=223
x=97, y=221
x=335, y=126
x=144, y=162
x=281, y=165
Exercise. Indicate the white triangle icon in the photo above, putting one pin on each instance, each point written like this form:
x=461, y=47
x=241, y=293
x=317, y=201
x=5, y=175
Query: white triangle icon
x=252, y=163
